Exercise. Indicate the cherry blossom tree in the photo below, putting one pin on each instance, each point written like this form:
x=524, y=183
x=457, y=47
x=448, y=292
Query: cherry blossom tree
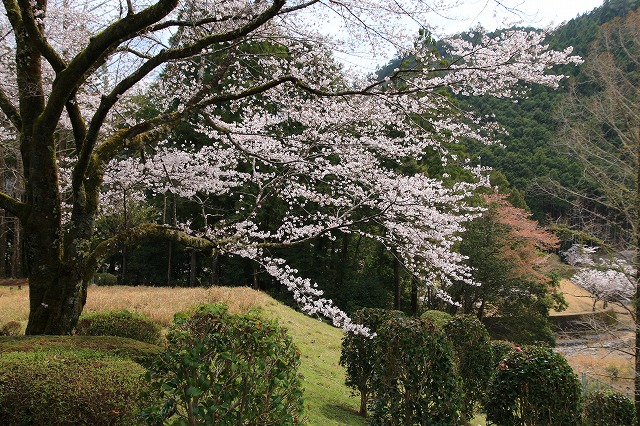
x=279, y=117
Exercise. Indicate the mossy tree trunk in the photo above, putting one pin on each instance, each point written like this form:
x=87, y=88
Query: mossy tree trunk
x=61, y=258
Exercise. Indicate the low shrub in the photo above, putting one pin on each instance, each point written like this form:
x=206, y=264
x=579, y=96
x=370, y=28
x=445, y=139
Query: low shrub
x=534, y=386
x=120, y=324
x=104, y=278
x=439, y=318
x=415, y=380
x=225, y=369
x=12, y=328
x=69, y=388
x=359, y=353
x=608, y=408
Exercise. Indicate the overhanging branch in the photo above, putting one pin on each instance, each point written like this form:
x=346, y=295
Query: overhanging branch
x=14, y=206
x=154, y=231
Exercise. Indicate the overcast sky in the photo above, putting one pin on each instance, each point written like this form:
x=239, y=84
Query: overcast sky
x=538, y=13
x=488, y=13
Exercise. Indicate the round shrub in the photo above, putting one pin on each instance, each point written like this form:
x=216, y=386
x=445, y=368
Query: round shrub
x=105, y=278
x=415, y=380
x=120, y=324
x=69, y=388
x=439, y=318
x=608, y=408
x=359, y=353
x=534, y=386
x=224, y=369
x=474, y=358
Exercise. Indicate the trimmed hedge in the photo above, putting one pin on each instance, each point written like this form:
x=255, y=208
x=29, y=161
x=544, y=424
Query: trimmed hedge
x=69, y=388
x=415, y=381
x=474, y=359
x=608, y=408
x=534, y=386
x=120, y=324
x=360, y=353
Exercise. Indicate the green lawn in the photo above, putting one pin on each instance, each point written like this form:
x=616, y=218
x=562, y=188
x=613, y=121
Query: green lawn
x=328, y=401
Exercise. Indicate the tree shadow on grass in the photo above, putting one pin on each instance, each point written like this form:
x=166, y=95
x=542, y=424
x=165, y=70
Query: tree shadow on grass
x=342, y=413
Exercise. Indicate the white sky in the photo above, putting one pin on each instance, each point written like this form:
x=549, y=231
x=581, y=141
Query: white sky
x=489, y=13
x=537, y=13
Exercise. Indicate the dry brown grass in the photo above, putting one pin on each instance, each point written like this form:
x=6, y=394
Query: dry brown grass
x=14, y=304
x=578, y=299
x=158, y=303
x=610, y=367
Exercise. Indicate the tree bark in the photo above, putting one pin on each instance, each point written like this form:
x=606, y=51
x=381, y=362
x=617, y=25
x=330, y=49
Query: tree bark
x=396, y=282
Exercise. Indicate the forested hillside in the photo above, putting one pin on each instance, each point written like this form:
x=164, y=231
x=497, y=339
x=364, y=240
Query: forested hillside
x=530, y=154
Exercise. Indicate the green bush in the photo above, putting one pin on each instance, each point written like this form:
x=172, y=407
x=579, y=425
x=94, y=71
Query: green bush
x=104, y=278
x=12, y=328
x=223, y=369
x=474, y=360
x=415, y=380
x=499, y=351
x=120, y=324
x=608, y=408
x=439, y=318
x=534, y=386
x=69, y=388
x=359, y=353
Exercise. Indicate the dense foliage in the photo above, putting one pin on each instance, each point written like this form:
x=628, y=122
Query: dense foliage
x=226, y=369
x=361, y=353
x=608, y=408
x=474, y=359
x=120, y=324
x=69, y=388
x=415, y=381
x=534, y=386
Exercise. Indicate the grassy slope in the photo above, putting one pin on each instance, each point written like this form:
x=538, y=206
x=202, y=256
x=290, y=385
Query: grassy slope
x=328, y=402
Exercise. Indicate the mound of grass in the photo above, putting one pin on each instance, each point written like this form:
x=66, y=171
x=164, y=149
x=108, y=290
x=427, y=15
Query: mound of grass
x=128, y=349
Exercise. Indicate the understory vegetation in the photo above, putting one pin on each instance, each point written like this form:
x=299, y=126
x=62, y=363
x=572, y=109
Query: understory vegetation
x=286, y=368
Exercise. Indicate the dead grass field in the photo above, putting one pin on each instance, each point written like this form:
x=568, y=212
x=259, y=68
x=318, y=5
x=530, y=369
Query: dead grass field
x=158, y=303
x=598, y=355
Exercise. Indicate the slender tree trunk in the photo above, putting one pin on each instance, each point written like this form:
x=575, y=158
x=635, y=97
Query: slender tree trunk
x=16, y=262
x=254, y=273
x=192, y=268
x=414, y=295
x=396, y=281
x=215, y=269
